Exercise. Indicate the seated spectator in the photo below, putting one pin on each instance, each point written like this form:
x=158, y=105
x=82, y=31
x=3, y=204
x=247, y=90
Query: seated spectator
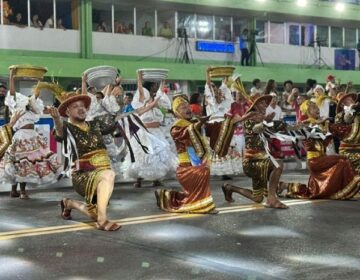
x=49, y=22
x=35, y=22
x=127, y=102
x=147, y=30
x=270, y=87
x=288, y=86
x=3, y=91
x=7, y=12
x=18, y=20
x=130, y=29
x=295, y=100
x=195, y=104
x=120, y=27
x=102, y=27
x=166, y=31
x=59, y=24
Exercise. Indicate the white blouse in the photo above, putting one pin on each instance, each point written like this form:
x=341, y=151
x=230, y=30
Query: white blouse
x=155, y=114
x=214, y=109
x=107, y=105
x=19, y=103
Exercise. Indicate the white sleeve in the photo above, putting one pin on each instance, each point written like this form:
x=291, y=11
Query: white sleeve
x=110, y=104
x=228, y=97
x=36, y=104
x=164, y=100
x=10, y=102
x=93, y=108
x=209, y=96
x=136, y=103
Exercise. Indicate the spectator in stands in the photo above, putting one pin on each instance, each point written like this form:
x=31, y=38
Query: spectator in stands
x=288, y=86
x=195, y=104
x=120, y=27
x=274, y=108
x=270, y=87
x=3, y=91
x=128, y=98
x=59, y=24
x=18, y=20
x=310, y=85
x=102, y=27
x=256, y=89
x=244, y=47
x=295, y=100
x=49, y=22
x=166, y=31
x=35, y=22
x=147, y=30
x=130, y=29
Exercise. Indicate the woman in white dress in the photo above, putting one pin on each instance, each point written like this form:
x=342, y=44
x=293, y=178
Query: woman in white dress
x=160, y=161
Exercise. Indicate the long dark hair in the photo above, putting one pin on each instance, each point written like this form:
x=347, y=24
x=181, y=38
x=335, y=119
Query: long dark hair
x=270, y=87
x=194, y=98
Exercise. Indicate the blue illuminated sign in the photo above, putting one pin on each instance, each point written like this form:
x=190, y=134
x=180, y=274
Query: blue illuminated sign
x=221, y=47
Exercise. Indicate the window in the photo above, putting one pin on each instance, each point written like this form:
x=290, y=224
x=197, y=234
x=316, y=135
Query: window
x=101, y=16
x=145, y=21
x=307, y=34
x=166, y=24
x=294, y=33
x=123, y=18
x=67, y=14
x=336, y=37
x=223, y=28
x=204, y=27
x=15, y=12
x=187, y=21
x=322, y=36
x=40, y=12
x=350, y=38
x=239, y=24
x=261, y=32
x=277, y=33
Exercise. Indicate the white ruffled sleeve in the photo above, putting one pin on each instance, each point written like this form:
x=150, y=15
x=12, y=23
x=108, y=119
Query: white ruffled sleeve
x=164, y=100
x=91, y=114
x=110, y=104
x=136, y=103
x=10, y=102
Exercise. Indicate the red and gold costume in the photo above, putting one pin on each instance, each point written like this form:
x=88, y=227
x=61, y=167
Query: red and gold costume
x=196, y=195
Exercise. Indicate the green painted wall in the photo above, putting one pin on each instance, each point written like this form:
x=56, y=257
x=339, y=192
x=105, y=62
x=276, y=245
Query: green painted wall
x=73, y=67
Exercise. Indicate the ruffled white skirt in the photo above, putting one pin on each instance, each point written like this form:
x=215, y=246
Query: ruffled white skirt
x=159, y=163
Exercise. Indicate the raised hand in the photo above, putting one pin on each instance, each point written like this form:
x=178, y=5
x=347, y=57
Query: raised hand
x=15, y=117
x=54, y=113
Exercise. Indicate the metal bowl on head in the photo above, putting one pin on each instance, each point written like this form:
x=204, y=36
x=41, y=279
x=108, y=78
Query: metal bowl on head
x=154, y=74
x=101, y=76
x=221, y=71
x=29, y=72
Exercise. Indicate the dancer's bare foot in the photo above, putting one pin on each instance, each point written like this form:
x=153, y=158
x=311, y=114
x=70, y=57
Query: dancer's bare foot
x=24, y=195
x=226, y=188
x=281, y=188
x=273, y=202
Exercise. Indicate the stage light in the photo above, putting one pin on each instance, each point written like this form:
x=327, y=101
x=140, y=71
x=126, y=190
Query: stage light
x=340, y=7
x=301, y=3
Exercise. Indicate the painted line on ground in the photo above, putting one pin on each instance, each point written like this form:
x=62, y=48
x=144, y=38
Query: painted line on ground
x=139, y=220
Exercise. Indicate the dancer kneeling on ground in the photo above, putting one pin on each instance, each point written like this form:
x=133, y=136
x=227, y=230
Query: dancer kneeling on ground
x=257, y=164
x=92, y=176
x=331, y=176
x=193, y=172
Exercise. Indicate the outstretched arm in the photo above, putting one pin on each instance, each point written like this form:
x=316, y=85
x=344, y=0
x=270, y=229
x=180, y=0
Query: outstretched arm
x=140, y=86
x=83, y=84
x=54, y=113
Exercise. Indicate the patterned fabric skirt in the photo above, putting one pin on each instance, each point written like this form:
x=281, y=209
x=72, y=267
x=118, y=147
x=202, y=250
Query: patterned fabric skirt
x=196, y=195
x=160, y=162
x=29, y=160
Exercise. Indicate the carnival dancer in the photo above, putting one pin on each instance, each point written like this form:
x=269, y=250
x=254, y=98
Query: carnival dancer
x=193, y=171
x=28, y=159
x=161, y=161
x=347, y=128
x=264, y=170
x=92, y=176
x=331, y=176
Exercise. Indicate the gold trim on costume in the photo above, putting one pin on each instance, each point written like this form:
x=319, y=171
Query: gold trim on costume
x=5, y=139
x=311, y=155
x=224, y=135
x=184, y=157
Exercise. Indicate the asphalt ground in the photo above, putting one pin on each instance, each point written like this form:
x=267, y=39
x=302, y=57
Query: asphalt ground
x=311, y=240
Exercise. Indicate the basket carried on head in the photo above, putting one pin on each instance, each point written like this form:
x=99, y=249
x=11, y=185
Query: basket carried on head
x=154, y=75
x=101, y=76
x=28, y=72
x=221, y=71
